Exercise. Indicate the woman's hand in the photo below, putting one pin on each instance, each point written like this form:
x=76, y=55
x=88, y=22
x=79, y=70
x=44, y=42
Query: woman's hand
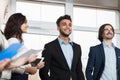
x=4, y=63
x=18, y=62
x=40, y=65
x=32, y=58
x=30, y=70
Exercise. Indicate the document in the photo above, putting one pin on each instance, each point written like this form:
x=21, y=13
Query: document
x=28, y=53
x=10, y=51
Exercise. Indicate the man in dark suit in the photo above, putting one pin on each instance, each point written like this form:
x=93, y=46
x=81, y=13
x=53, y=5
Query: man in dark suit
x=104, y=59
x=62, y=56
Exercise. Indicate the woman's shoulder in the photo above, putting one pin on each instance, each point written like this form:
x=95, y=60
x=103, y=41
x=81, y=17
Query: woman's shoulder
x=13, y=40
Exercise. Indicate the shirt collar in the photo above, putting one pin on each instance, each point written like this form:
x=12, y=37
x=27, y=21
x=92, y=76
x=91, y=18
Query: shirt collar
x=106, y=45
x=62, y=42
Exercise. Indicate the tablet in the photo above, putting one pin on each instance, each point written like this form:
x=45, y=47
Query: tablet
x=34, y=63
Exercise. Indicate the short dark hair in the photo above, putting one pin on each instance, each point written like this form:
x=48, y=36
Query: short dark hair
x=101, y=30
x=61, y=18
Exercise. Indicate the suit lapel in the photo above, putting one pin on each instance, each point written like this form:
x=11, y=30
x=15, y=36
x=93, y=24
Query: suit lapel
x=74, y=55
x=60, y=53
x=117, y=55
x=102, y=53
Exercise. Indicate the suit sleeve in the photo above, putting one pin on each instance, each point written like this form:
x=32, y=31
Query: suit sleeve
x=90, y=65
x=43, y=73
x=79, y=68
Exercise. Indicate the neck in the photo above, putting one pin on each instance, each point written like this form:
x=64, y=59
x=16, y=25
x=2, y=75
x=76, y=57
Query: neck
x=109, y=42
x=65, y=39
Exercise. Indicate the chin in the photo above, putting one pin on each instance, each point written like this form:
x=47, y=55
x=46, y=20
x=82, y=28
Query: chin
x=24, y=31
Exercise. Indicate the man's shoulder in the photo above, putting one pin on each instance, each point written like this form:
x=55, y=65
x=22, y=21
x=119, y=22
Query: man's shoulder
x=76, y=44
x=96, y=46
x=52, y=42
x=117, y=48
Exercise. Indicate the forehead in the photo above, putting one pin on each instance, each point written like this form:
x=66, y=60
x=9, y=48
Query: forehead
x=65, y=20
x=108, y=27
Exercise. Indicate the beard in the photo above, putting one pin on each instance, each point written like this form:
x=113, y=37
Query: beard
x=109, y=37
x=64, y=34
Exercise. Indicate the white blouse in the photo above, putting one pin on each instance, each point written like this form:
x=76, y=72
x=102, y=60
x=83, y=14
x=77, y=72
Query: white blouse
x=6, y=74
x=22, y=50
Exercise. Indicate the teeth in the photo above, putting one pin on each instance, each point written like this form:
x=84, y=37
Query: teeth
x=67, y=30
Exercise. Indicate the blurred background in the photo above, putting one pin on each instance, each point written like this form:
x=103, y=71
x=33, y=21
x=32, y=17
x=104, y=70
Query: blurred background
x=87, y=17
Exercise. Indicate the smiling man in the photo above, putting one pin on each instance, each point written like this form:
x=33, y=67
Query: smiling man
x=62, y=56
x=104, y=59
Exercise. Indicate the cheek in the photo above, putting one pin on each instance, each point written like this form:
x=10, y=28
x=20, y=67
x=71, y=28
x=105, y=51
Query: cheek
x=24, y=29
x=103, y=34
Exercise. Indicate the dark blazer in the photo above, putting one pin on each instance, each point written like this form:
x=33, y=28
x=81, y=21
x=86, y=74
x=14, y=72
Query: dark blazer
x=56, y=63
x=96, y=62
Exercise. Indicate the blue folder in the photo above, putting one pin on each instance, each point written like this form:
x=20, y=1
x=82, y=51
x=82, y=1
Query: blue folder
x=10, y=51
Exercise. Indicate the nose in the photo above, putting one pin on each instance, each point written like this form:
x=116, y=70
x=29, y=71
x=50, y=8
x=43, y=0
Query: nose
x=68, y=26
x=110, y=30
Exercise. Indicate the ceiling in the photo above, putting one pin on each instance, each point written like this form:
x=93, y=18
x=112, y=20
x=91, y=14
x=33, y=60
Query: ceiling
x=113, y=4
